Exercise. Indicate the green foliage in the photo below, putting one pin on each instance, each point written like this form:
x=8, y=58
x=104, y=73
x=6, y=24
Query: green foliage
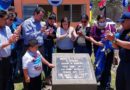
x=111, y=5
x=46, y=15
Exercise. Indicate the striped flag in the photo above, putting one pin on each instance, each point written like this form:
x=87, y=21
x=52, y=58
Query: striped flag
x=4, y=4
x=125, y=3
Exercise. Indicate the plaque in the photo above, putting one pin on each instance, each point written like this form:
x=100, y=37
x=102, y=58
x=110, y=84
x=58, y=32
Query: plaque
x=73, y=71
x=73, y=68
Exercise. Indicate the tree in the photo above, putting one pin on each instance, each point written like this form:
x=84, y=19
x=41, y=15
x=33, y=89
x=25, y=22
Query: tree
x=113, y=8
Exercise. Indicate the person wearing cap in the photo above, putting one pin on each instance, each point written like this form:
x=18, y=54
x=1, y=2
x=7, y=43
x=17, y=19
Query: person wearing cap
x=6, y=39
x=97, y=37
x=82, y=43
x=50, y=35
x=123, y=44
x=32, y=65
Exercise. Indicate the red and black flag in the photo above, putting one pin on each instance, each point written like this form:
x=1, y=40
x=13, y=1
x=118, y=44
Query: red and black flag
x=102, y=4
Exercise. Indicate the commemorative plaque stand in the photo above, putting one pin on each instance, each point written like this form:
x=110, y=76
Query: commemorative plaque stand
x=73, y=72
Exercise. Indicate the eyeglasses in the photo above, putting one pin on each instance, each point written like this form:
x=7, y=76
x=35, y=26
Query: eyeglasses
x=84, y=21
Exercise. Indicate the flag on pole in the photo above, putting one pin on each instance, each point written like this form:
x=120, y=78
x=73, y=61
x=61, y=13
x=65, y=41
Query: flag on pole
x=101, y=4
x=91, y=15
x=102, y=7
x=4, y=4
x=91, y=5
x=125, y=3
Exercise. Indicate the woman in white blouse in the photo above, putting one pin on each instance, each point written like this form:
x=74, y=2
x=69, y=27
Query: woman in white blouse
x=65, y=37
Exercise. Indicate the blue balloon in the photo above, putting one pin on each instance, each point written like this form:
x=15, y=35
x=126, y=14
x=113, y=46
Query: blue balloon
x=4, y=4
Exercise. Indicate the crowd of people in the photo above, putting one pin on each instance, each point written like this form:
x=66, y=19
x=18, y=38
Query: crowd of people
x=27, y=46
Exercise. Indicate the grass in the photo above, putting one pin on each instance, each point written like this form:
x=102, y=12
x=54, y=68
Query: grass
x=18, y=86
x=113, y=79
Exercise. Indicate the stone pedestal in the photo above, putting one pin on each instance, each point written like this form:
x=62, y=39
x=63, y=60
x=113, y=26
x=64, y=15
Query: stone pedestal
x=73, y=72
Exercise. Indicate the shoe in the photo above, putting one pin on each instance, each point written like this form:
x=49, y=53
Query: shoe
x=48, y=81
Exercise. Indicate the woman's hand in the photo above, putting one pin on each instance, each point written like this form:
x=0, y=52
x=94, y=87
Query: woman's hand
x=110, y=36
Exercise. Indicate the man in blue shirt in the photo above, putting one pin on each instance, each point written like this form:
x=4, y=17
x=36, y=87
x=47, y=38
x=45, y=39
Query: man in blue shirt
x=6, y=39
x=32, y=28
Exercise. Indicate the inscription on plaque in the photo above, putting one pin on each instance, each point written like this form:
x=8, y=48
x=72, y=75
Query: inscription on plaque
x=73, y=68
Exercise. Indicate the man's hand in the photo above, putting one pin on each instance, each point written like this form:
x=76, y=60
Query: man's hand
x=18, y=30
x=47, y=32
x=13, y=38
x=43, y=29
x=51, y=30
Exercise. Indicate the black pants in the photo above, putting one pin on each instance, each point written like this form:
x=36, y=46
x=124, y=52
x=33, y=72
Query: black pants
x=106, y=74
x=95, y=48
x=35, y=83
x=123, y=76
x=5, y=74
x=48, y=44
x=83, y=49
x=64, y=51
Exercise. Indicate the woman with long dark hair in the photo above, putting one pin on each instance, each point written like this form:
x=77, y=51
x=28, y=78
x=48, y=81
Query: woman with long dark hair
x=65, y=37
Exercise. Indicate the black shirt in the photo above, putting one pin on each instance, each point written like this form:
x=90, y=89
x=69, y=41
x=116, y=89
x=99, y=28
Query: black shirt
x=125, y=53
x=49, y=39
